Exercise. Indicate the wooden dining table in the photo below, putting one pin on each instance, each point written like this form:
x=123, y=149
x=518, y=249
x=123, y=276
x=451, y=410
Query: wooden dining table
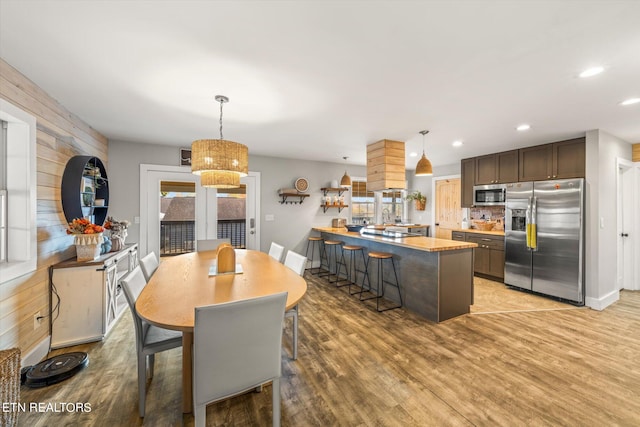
x=182, y=283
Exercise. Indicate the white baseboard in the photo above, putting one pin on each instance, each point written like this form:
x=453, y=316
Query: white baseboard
x=37, y=354
x=603, y=302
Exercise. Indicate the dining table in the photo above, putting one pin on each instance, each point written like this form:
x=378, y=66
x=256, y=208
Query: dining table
x=183, y=282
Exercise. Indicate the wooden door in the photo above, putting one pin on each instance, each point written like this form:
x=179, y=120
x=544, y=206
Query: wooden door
x=448, y=210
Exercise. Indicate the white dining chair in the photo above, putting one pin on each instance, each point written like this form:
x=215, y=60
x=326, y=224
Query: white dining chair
x=297, y=263
x=276, y=251
x=149, y=264
x=237, y=347
x=149, y=339
x=210, y=244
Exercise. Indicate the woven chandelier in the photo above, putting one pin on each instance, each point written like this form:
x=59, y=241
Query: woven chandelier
x=424, y=168
x=220, y=163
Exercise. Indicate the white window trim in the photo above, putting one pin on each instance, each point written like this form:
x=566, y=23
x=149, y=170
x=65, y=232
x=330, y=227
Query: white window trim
x=21, y=192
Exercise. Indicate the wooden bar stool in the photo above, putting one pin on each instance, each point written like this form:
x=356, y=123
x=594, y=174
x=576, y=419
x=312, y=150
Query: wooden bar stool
x=351, y=267
x=380, y=257
x=313, y=242
x=331, y=250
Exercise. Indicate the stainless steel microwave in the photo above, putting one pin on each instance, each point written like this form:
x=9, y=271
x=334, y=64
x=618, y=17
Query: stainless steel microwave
x=489, y=195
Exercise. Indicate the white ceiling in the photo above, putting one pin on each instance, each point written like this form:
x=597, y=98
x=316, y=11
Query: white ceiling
x=321, y=80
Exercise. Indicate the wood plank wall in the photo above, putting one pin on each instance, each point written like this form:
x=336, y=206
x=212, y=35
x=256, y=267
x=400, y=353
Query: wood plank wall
x=60, y=136
x=636, y=152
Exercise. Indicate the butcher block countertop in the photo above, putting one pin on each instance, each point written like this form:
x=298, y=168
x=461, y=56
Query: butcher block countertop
x=421, y=243
x=473, y=230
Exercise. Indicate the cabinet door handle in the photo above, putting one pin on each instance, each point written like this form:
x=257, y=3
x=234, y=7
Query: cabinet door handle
x=548, y=176
x=486, y=240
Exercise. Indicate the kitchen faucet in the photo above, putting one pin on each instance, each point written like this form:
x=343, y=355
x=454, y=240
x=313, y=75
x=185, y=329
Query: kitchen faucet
x=386, y=216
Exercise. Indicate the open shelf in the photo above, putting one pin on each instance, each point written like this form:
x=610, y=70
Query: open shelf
x=340, y=207
x=84, y=180
x=285, y=198
x=338, y=190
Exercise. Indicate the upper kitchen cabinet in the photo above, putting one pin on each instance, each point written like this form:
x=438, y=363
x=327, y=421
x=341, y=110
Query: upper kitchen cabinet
x=559, y=160
x=468, y=174
x=497, y=168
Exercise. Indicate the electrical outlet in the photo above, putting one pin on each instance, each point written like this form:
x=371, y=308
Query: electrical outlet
x=37, y=320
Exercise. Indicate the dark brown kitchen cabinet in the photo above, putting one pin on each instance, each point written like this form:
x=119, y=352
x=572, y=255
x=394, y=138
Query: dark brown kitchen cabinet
x=468, y=172
x=488, y=256
x=457, y=235
x=559, y=160
x=497, y=168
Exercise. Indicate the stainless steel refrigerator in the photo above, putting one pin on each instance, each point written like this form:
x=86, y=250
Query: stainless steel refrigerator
x=544, y=237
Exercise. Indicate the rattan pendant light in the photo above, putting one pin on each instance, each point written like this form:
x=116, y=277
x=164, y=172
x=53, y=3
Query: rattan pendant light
x=424, y=168
x=346, y=179
x=220, y=163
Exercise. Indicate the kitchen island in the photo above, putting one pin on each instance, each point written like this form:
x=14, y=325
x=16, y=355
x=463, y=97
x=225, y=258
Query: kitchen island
x=435, y=275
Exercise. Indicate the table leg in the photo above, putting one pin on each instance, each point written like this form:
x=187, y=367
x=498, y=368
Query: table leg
x=187, y=376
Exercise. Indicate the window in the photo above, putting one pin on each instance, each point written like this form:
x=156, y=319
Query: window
x=392, y=206
x=3, y=192
x=362, y=203
x=380, y=206
x=18, y=163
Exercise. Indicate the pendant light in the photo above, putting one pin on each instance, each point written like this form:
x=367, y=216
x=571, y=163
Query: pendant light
x=220, y=163
x=346, y=179
x=424, y=168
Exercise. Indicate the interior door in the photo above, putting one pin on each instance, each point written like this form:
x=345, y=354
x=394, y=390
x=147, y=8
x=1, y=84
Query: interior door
x=252, y=182
x=448, y=212
x=627, y=217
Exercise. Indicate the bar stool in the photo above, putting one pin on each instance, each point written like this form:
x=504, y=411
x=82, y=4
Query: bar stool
x=380, y=257
x=312, y=242
x=331, y=249
x=351, y=267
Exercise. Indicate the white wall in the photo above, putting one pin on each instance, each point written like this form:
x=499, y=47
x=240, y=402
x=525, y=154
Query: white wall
x=292, y=223
x=423, y=184
x=601, y=217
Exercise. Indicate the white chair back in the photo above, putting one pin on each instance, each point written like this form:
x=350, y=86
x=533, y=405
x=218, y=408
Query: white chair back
x=149, y=339
x=149, y=264
x=236, y=347
x=296, y=262
x=276, y=251
x=133, y=284
x=210, y=245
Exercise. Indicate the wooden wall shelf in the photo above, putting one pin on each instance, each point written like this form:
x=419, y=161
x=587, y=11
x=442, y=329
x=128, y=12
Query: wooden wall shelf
x=339, y=190
x=286, y=196
x=340, y=207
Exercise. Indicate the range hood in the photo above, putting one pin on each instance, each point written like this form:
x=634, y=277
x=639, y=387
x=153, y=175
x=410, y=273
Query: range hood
x=385, y=165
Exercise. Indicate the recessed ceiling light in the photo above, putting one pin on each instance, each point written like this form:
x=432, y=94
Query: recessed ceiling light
x=630, y=101
x=523, y=126
x=413, y=154
x=457, y=143
x=590, y=72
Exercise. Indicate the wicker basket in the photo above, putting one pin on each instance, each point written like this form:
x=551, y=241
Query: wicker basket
x=484, y=225
x=9, y=384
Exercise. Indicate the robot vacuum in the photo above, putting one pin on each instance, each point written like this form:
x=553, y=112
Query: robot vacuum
x=55, y=369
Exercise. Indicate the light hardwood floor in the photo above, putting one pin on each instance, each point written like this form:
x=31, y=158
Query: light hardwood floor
x=517, y=360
